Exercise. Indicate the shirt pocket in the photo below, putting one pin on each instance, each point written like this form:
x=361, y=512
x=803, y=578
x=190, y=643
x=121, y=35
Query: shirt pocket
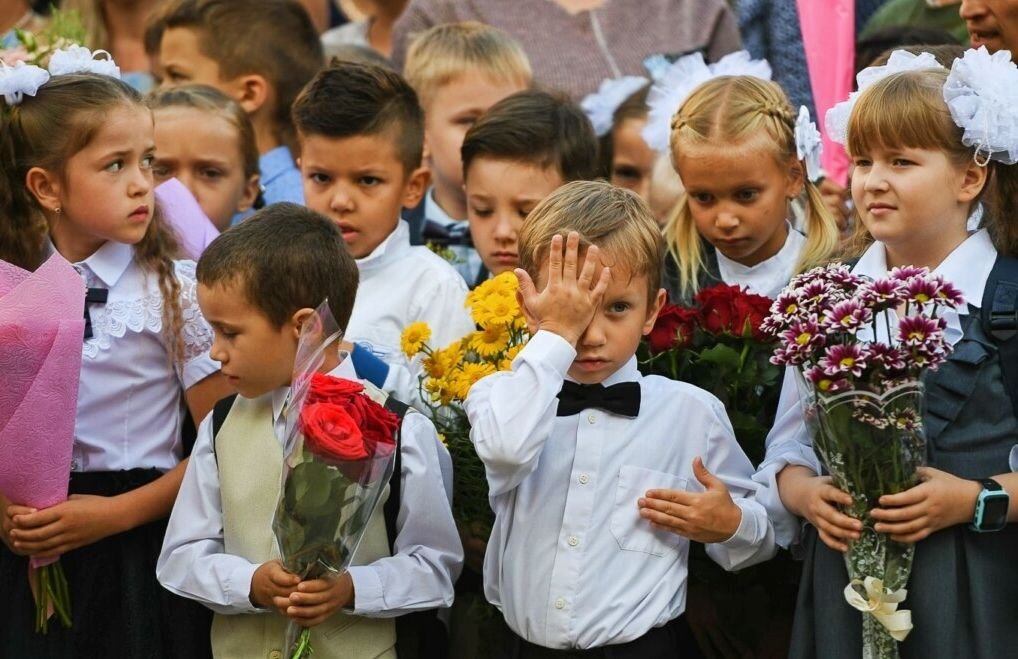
x=634, y=533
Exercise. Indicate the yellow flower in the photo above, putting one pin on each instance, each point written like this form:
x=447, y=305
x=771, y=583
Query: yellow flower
x=496, y=311
x=440, y=362
x=489, y=342
x=468, y=374
x=414, y=338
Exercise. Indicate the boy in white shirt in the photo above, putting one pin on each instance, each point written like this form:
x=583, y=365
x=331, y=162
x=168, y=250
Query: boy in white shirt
x=361, y=137
x=581, y=451
x=258, y=283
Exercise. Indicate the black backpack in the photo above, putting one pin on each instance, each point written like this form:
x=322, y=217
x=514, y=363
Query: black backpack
x=419, y=635
x=999, y=317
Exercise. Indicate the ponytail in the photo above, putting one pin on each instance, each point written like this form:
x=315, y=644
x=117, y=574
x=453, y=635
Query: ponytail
x=822, y=235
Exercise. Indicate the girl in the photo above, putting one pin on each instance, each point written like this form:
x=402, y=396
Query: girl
x=76, y=177
x=618, y=112
x=917, y=174
x=734, y=146
x=205, y=140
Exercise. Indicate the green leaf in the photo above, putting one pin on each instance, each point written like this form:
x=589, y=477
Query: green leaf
x=721, y=355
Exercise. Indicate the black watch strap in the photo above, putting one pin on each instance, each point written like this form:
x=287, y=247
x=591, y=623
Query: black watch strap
x=991, y=485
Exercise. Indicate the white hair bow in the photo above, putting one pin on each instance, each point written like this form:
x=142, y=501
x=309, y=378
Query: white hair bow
x=808, y=146
x=836, y=119
x=78, y=59
x=982, y=93
x=20, y=80
x=600, y=106
x=674, y=83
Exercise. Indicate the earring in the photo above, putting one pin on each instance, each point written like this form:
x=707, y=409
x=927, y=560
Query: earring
x=58, y=210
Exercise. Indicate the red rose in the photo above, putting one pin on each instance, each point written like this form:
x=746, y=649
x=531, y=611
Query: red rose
x=330, y=432
x=326, y=388
x=717, y=311
x=673, y=328
x=378, y=424
x=751, y=310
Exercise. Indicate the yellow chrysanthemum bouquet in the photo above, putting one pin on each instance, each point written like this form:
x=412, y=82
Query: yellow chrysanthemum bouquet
x=451, y=371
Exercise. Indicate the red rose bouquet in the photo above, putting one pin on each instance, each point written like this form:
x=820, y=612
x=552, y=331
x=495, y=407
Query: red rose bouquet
x=339, y=457
x=718, y=345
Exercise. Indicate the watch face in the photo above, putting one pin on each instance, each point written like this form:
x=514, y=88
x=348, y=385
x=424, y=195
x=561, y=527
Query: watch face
x=994, y=510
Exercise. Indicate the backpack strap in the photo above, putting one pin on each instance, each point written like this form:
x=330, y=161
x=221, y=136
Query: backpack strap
x=391, y=510
x=999, y=316
x=219, y=414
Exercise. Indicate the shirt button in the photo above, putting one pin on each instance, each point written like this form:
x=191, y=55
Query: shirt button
x=584, y=479
x=573, y=541
x=560, y=603
x=275, y=654
x=591, y=419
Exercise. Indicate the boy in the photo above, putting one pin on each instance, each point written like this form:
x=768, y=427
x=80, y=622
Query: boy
x=360, y=130
x=458, y=70
x=577, y=447
x=526, y=146
x=257, y=284
x=261, y=53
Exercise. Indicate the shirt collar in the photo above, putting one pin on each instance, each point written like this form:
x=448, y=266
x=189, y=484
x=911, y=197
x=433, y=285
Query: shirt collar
x=274, y=163
x=394, y=246
x=109, y=262
x=434, y=212
x=778, y=267
x=344, y=370
x=967, y=267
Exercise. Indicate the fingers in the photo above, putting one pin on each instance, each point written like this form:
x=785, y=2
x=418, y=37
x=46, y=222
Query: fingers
x=680, y=497
x=602, y=284
x=897, y=515
x=909, y=497
x=833, y=543
x=38, y=534
x=706, y=478
x=555, y=261
x=527, y=289
x=278, y=575
x=13, y=510
x=572, y=257
x=38, y=518
x=905, y=528
x=590, y=263
x=834, y=495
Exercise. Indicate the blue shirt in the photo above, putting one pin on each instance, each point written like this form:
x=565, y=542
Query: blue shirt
x=280, y=177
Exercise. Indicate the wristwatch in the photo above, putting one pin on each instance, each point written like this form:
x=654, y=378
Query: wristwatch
x=991, y=507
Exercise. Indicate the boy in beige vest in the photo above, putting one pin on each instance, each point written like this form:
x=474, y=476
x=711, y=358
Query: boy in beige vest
x=257, y=285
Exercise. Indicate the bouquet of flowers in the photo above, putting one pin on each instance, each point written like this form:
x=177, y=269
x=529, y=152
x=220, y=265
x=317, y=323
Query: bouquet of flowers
x=62, y=30
x=718, y=345
x=41, y=329
x=451, y=371
x=860, y=348
x=339, y=452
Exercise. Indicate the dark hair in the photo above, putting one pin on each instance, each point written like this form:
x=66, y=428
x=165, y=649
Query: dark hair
x=271, y=38
x=538, y=127
x=44, y=131
x=945, y=54
x=897, y=37
x=634, y=107
x=351, y=98
x=210, y=99
x=285, y=257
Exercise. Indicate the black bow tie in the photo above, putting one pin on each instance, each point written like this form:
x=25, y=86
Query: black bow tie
x=622, y=399
x=93, y=296
x=447, y=235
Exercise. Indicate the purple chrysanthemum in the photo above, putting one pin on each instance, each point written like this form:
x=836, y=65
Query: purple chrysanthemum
x=915, y=331
x=906, y=272
x=888, y=358
x=844, y=360
x=847, y=316
x=824, y=383
x=801, y=339
x=882, y=294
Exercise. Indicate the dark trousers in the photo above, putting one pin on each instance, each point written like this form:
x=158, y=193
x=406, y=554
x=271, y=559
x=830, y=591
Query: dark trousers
x=671, y=641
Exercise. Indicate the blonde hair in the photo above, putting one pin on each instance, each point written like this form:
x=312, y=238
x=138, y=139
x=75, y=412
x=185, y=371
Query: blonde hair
x=730, y=110
x=445, y=52
x=907, y=109
x=614, y=219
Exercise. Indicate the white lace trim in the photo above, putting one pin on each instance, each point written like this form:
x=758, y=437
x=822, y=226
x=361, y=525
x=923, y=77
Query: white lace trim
x=115, y=319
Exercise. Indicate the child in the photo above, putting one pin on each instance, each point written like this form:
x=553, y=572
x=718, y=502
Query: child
x=260, y=53
x=525, y=147
x=734, y=146
x=205, y=140
x=458, y=70
x=574, y=439
x=76, y=177
x=360, y=129
x=618, y=111
x=917, y=173
x=257, y=284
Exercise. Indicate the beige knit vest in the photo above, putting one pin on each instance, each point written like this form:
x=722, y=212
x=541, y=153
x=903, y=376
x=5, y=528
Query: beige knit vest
x=250, y=464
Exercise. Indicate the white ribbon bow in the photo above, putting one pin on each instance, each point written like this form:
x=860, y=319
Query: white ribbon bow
x=982, y=93
x=20, y=80
x=807, y=144
x=882, y=603
x=78, y=59
x=600, y=106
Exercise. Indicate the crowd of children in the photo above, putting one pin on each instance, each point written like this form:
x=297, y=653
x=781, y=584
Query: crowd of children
x=391, y=196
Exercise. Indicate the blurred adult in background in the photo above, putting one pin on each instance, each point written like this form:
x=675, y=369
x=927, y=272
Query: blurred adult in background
x=118, y=26
x=575, y=44
x=938, y=15
x=373, y=30
x=992, y=23
x=17, y=14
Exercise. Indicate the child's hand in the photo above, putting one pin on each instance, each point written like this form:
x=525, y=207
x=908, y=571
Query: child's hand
x=81, y=520
x=270, y=582
x=314, y=601
x=567, y=304
x=814, y=498
x=7, y=513
x=941, y=500
x=706, y=517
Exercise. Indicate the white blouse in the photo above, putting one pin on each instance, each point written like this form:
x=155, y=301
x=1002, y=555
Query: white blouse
x=130, y=402
x=767, y=277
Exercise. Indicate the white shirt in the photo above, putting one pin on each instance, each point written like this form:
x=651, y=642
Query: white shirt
x=789, y=442
x=130, y=403
x=767, y=277
x=468, y=261
x=570, y=562
x=400, y=285
x=193, y=562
